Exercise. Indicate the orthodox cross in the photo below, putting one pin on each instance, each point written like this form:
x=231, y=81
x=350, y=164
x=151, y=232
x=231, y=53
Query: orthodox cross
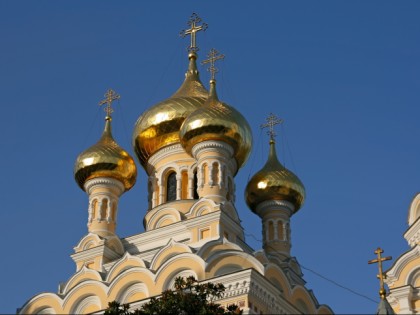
x=194, y=28
x=110, y=96
x=272, y=120
x=213, y=55
x=381, y=274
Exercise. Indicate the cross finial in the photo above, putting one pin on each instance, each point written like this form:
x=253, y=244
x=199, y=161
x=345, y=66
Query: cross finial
x=381, y=276
x=110, y=96
x=272, y=120
x=194, y=28
x=213, y=55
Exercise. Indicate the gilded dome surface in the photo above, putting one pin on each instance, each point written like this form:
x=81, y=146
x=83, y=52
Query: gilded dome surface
x=105, y=159
x=159, y=126
x=274, y=182
x=218, y=121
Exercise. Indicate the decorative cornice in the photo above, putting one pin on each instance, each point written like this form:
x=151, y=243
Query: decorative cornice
x=93, y=252
x=104, y=181
x=164, y=153
x=270, y=205
x=209, y=145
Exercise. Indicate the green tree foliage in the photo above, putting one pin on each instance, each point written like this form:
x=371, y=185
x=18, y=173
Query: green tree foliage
x=188, y=297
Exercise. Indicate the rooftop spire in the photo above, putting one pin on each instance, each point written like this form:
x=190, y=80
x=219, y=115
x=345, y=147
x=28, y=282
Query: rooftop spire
x=272, y=120
x=194, y=28
x=213, y=56
x=381, y=275
x=110, y=96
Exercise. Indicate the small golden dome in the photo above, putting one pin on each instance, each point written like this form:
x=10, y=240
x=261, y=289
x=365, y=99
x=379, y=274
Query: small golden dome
x=217, y=121
x=105, y=159
x=274, y=182
x=159, y=126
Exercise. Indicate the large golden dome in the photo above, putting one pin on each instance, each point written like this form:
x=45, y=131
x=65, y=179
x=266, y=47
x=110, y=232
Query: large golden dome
x=105, y=159
x=159, y=126
x=217, y=121
x=274, y=182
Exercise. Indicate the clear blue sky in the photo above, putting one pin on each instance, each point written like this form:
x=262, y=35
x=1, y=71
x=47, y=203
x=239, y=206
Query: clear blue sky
x=345, y=77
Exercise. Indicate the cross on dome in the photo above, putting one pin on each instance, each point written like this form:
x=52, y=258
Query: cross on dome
x=381, y=274
x=213, y=55
x=193, y=21
x=272, y=120
x=110, y=96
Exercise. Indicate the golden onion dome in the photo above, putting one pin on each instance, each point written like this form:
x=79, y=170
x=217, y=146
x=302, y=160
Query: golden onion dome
x=274, y=182
x=105, y=159
x=218, y=121
x=159, y=126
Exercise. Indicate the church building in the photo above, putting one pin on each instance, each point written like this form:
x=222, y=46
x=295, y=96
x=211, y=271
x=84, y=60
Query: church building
x=403, y=278
x=191, y=145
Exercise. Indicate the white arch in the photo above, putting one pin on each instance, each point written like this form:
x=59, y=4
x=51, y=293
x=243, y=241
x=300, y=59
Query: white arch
x=170, y=282
x=131, y=289
x=414, y=210
x=84, y=302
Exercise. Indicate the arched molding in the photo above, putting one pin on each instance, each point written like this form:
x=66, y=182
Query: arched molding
x=299, y=293
x=219, y=259
x=88, y=241
x=164, y=153
x=130, y=276
x=114, y=242
x=177, y=264
x=86, y=302
x=413, y=276
x=184, y=168
x=414, y=210
x=201, y=205
x=171, y=249
x=395, y=273
x=273, y=271
x=192, y=168
x=126, y=262
x=216, y=246
x=84, y=274
x=154, y=216
x=163, y=172
x=81, y=291
x=165, y=220
x=170, y=282
x=230, y=210
x=47, y=310
x=324, y=310
x=131, y=290
x=294, y=265
x=43, y=301
x=261, y=257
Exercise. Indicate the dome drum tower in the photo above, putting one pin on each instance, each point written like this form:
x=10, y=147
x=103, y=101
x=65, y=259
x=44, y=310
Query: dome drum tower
x=274, y=193
x=105, y=171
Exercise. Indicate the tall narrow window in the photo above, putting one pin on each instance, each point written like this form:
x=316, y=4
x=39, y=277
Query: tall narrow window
x=215, y=174
x=184, y=185
x=270, y=231
x=280, y=233
x=229, y=190
x=171, y=187
x=195, y=186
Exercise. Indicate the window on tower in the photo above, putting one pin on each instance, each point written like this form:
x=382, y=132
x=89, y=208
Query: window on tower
x=171, y=187
x=195, y=186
